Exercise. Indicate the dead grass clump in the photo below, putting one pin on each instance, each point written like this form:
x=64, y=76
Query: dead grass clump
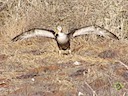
x=17, y=16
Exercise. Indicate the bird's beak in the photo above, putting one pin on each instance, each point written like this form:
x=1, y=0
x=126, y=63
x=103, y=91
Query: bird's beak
x=56, y=31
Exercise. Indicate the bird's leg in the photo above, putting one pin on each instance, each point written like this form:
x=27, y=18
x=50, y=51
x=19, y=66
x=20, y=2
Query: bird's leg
x=60, y=52
x=69, y=51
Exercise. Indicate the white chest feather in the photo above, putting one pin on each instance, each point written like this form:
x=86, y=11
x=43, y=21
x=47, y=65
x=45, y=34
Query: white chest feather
x=62, y=38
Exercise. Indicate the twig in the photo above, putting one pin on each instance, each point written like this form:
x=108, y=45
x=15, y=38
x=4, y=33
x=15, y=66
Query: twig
x=94, y=92
x=126, y=66
x=124, y=93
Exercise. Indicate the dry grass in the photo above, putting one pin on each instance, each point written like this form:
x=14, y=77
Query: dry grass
x=34, y=68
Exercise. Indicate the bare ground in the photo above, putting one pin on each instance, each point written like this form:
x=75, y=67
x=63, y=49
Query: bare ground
x=96, y=67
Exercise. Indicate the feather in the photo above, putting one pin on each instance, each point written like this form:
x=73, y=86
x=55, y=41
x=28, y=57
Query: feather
x=34, y=33
x=83, y=31
x=94, y=30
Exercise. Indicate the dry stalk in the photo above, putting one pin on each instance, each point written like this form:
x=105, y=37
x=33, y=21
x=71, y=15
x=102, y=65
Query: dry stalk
x=94, y=92
x=126, y=66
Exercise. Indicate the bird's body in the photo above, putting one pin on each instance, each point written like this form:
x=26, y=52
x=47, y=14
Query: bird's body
x=63, y=39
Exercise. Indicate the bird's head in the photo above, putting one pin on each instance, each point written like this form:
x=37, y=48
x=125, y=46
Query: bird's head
x=59, y=29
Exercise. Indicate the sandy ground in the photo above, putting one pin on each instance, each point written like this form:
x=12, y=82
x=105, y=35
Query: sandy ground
x=33, y=67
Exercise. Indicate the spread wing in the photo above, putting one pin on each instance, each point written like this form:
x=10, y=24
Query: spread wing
x=94, y=30
x=34, y=33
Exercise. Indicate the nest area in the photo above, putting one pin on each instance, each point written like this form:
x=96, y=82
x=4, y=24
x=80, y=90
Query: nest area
x=97, y=66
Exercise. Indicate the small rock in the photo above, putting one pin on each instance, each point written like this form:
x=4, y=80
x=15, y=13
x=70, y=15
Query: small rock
x=76, y=63
x=33, y=79
x=80, y=94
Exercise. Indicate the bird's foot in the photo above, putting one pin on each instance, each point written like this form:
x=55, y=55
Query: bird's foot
x=64, y=52
x=60, y=52
x=69, y=51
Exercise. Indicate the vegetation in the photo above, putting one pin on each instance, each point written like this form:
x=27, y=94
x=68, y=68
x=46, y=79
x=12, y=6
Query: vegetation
x=33, y=67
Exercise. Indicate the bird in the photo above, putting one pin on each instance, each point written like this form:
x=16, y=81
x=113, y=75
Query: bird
x=62, y=38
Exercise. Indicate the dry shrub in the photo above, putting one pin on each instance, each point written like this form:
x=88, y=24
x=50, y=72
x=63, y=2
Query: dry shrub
x=17, y=16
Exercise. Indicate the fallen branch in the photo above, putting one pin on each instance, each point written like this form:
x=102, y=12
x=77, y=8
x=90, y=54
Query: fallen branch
x=94, y=92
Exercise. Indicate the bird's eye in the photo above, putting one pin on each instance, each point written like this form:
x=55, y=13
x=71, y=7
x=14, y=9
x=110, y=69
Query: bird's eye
x=56, y=34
